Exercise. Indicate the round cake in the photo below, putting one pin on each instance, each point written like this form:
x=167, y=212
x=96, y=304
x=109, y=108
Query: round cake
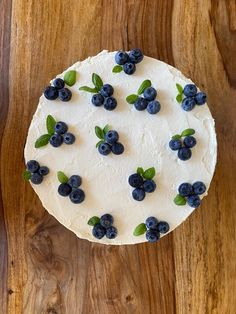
x=126, y=147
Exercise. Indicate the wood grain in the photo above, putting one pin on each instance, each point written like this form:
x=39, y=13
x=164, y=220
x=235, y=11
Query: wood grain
x=44, y=268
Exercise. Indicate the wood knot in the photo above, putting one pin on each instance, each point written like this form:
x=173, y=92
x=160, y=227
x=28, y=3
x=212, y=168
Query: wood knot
x=10, y=291
x=129, y=298
x=51, y=311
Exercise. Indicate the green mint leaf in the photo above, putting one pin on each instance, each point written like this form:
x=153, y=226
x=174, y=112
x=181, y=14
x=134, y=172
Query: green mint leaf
x=98, y=143
x=140, y=229
x=42, y=140
x=179, y=88
x=179, y=200
x=26, y=175
x=97, y=81
x=179, y=98
x=131, y=99
x=62, y=177
x=145, y=84
x=117, y=69
x=188, y=132
x=50, y=123
x=89, y=89
x=70, y=77
x=176, y=137
x=149, y=174
x=93, y=221
x=140, y=171
x=99, y=132
x=106, y=129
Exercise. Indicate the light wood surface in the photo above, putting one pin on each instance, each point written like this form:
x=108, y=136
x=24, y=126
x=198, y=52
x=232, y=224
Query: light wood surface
x=44, y=268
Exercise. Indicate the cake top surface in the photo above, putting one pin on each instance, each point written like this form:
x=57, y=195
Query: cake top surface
x=145, y=138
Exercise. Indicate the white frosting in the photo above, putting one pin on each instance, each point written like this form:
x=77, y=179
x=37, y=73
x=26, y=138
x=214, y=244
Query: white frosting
x=145, y=138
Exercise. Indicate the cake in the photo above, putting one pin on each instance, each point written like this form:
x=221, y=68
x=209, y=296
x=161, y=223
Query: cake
x=167, y=139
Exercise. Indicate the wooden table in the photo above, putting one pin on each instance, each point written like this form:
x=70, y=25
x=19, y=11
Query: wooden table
x=44, y=268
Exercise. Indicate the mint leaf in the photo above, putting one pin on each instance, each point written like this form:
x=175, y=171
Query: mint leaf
x=62, y=177
x=117, y=69
x=179, y=98
x=99, y=132
x=106, y=129
x=179, y=88
x=26, y=175
x=188, y=132
x=140, y=171
x=145, y=84
x=98, y=143
x=93, y=221
x=140, y=229
x=131, y=98
x=70, y=77
x=89, y=89
x=179, y=200
x=149, y=174
x=50, y=123
x=42, y=140
x=97, y=81
x=176, y=137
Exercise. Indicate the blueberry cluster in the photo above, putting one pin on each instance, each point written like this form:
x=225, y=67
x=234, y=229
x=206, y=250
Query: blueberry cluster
x=142, y=182
x=34, y=172
x=152, y=228
x=183, y=146
x=58, y=90
x=192, y=97
x=108, y=141
x=70, y=187
x=103, y=226
x=127, y=61
x=190, y=193
x=102, y=93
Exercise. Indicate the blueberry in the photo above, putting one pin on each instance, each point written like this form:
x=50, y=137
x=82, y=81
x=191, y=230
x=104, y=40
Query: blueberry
x=64, y=189
x=194, y=201
x=110, y=103
x=151, y=222
x=135, y=180
x=97, y=100
x=77, y=196
x=175, y=144
x=32, y=166
x=140, y=104
x=43, y=171
x=106, y=220
x=200, y=98
x=199, y=188
x=58, y=83
x=149, y=186
x=56, y=140
x=75, y=181
x=163, y=227
x=111, y=137
x=98, y=231
x=117, y=148
x=60, y=127
x=135, y=56
x=190, y=90
x=188, y=104
x=129, y=68
x=185, y=189
x=150, y=93
x=138, y=194
x=190, y=141
x=107, y=90
x=104, y=149
x=184, y=153
x=69, y=138
x=153, y=107
x=51, y=92
x=64, y=94
x=152, y=235
x=121, y=57
x=36, y=178
x=111, y=232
